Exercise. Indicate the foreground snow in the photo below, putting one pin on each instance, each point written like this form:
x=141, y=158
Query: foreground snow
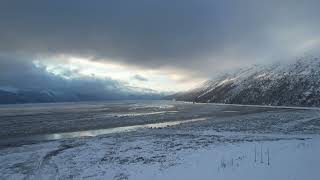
x=287, y=160
x=207, y=155
x=207, y=142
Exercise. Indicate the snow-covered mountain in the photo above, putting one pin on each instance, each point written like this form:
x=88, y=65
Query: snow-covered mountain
x=296, y=83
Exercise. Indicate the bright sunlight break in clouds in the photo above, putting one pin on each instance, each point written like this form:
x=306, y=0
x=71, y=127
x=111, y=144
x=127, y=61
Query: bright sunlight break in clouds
x=72, y=67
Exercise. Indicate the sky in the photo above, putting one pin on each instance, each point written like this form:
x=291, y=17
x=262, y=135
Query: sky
x=148, y=45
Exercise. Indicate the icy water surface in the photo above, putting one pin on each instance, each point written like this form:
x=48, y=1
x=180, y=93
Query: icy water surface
x=52, y=121
x=89, y=133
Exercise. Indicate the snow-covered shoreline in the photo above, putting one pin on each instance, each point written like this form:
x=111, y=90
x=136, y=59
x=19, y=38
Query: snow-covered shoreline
x=161, y=155
x=217, y=142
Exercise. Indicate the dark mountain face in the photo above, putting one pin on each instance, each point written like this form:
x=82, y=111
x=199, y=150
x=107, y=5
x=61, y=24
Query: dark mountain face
x=295, y=84
x=46, y=96
x=32, y=96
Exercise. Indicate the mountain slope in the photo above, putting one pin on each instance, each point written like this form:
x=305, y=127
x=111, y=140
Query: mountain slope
x=297, y=84
x=8, y=96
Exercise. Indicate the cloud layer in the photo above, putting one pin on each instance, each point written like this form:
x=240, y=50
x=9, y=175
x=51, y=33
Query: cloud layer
x=199, y=38
x=22, y=76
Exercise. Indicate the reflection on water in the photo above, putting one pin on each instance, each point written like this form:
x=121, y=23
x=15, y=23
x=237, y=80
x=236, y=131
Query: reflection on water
x=91, y=133
x=230, y=111
x=134, y=114
x=116, y=130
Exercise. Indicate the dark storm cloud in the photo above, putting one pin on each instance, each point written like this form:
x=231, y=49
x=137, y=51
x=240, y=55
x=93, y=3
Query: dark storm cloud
x=23, y=75
x=198, y=35
x=139, y=78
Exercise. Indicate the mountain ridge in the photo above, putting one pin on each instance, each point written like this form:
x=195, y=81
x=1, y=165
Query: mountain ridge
x=20, y=96
x=295, y=84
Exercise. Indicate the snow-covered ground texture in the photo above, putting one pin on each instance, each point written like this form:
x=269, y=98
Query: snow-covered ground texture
x=296, y=83
x=212, y=142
